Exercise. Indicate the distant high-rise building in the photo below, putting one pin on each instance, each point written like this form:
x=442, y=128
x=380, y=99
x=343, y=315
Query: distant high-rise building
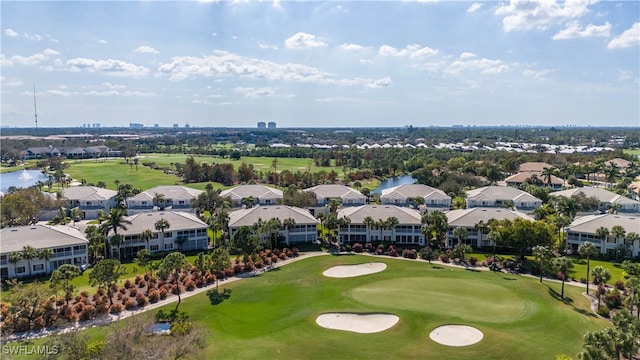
x=262, y=125
x=135, y=126
x=175, y=126
x=271, y=125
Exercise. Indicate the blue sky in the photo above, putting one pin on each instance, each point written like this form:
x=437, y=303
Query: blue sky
x=321, y=64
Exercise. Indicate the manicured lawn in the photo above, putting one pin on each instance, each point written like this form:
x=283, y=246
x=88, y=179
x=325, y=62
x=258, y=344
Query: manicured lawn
x=109, y=170
x=273, y=315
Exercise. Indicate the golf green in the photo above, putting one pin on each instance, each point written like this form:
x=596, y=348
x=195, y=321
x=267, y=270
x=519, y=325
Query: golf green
x=462, y=299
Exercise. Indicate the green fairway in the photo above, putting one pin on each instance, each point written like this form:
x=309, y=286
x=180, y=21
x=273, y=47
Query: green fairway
x=116, y=169
x=273, y=315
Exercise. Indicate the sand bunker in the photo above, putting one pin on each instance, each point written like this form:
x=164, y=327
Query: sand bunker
x=345, y=271
x=360, y=323
x=456, y=335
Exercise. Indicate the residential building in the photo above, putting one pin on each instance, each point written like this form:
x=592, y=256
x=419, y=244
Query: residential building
x=407, y=230
x=165, y=197
x=606, y=198
x=346, y=195
x=304, y=231
x=261, y=195
x=405, y=195
x=500, y=196
x=90, y=200
x=585, y=228
x=476, y=222
x=517, y=180
x=534, y=167
x=186, y=232
x=68, y=246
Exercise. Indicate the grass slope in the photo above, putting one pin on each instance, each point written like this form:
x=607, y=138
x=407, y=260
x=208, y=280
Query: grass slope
x=274, y=314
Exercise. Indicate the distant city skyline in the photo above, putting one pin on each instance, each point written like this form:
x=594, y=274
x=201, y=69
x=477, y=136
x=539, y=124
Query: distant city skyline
x=320, y=64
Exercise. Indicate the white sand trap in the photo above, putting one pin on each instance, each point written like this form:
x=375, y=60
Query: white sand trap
x=360, y=323
x=456, y=335
x=345, y=271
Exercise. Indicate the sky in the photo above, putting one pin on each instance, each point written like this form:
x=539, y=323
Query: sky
x=320, y=64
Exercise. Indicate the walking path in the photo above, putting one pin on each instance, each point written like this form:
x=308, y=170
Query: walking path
x=28, y=335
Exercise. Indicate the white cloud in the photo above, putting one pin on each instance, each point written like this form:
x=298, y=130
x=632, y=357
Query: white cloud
x=254, y=92
x=111, y=86
x=13, y=83
x=303, y=41
x=540, y=14
x=35, y=37
x=351, y=47
x=536, y=74
x=266, y=46
x=28, y=60
x=413, y=51
x=573, y=30
x=481, y=65
x=629, y=38
x=109, y=66
x=467, y=55
x=145, y=49
x=102, y=41
x=624, y=75
x=380, y=83
x=10, y=33
x=474, y=7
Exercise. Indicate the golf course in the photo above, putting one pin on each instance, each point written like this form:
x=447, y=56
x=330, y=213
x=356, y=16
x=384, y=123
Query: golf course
x=274, y=314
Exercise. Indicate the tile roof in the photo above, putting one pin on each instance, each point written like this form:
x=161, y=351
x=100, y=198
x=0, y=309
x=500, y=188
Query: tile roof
x=335, y=191
x=173, y=192
x=88, y=193
x=414, y=190
x=470, y=217
x=591, y=223
x=603, y=195
x=256, y=191
x=178, y=220
x=501, y=193
x=381, y=212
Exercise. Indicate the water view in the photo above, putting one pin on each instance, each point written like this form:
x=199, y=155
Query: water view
x=394, y=181
x=20, y=179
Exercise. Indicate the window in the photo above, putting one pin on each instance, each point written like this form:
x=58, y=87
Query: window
x=181, y=202
x=143, y=203
x=38, y=267
x=89, y=203
x=168, y=235
x=168, y=246
x=21, y=269
x=153, y=248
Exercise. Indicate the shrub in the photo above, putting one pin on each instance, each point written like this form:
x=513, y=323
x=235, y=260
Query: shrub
x=228, y=272
x=122, y=290
x=127, y=284
x=619, y=285
x=295, y=251
x=142, y=283
x=154, y=296
x=237, y=268
x=274, y=259
x=409, y=254
x=283, y=256
x=613, y=299
x=357, y=248
x=603, y=311
x=137, y=279
x=190, y=285
x=249, y=266
x=444, y=258
x=473, y=260
x=39, y=323
x=175, y=289
x=102, y=308
x=141, y=300
x=84, y=294
x=88, y=312
x=115, y=309
x=133, y=291
x=130, y=304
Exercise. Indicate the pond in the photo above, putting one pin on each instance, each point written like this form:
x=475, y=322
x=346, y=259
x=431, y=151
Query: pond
x=20, y=179
x=394, y=181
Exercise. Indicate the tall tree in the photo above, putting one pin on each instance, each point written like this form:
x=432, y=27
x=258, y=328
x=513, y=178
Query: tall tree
x=587, y=249
x=29, y=253
x=14, y=258
x=461, y=234
x=146, y=236
x=219, y=261
x=161, y=225
x=562, y=265
x=114, y=222
x=105, y=274
x=600, y=277
x=289, y=224
x=61, y=279
x=541, y=253
x=174, y=263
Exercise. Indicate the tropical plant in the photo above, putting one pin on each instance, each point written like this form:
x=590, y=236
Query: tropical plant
x=61, y=279
x=29, y=253
x=174, y=263
x=105, y=273
x=461, y=234
x=587, y=249
x=161, y=225
x=540, y=253
x=114, y=222
x=600, y=277
x=562, y=265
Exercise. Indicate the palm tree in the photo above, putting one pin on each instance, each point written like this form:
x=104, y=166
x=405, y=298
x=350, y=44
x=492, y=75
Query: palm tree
x=272, y=227
x=29, y=253
x=391, y=222
x=587, y=249
x=15, y=258
x=611, y=173
x=368, y=222
x=162, y=225
x=289, y=224
x=547, y=175
x=114, y=222
x=540, y=253
x=567, y=206
x=334, y=204
x=159, y=200
x=145, y=236
x=117, y=240
x=461, y=233
x=480, y=227
x=45, y=254
x=76, y=214
x=600, y=277
x=603, y=233
x=618, y=233
x=632, y=237
x=562, y=266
